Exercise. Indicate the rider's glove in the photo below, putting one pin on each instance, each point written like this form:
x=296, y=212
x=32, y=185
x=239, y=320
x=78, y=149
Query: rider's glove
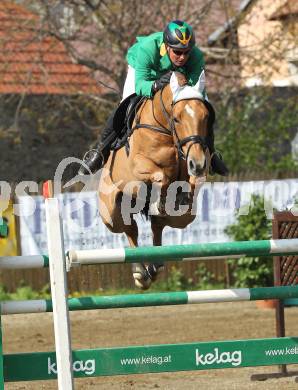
x=161, y=82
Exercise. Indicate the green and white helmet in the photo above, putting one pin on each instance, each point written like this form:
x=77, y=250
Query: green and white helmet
x=179, y=35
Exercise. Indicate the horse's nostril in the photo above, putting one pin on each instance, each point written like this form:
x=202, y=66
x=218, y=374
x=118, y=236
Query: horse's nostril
x=191, y=165
x=195, y=168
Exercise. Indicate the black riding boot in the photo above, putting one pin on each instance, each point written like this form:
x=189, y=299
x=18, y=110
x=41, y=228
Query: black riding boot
x=95, y=158
x=217, y=164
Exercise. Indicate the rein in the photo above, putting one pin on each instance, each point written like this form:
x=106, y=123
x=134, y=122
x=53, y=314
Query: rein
x=171, y=131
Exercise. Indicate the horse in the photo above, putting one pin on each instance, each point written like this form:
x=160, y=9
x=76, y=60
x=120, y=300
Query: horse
x=167, y=151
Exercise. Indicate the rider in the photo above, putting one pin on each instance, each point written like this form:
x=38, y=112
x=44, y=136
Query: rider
x=151, y=61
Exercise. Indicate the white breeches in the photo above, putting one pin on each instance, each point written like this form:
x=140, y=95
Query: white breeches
x=129, y=85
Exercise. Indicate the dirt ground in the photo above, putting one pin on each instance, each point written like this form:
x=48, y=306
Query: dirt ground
x=155, y=325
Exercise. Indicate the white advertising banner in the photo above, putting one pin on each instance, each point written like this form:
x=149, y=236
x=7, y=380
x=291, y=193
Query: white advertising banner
x=218, y=204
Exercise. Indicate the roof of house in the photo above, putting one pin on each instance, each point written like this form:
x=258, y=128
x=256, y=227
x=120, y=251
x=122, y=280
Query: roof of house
x=290, y=7
x=34, y=63
x=219, y=32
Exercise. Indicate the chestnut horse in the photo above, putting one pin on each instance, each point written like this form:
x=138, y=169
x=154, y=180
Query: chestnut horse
x=158, y=175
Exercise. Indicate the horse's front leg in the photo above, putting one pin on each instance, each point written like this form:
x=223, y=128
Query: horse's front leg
x=147, y=171
x=187, y=194
x=154, y=269
x=140, y=273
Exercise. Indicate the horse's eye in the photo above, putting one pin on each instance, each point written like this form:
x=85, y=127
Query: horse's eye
x=176, y=120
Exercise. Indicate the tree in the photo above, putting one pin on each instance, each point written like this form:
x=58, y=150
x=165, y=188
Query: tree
x=255, y=129
x=97, y=34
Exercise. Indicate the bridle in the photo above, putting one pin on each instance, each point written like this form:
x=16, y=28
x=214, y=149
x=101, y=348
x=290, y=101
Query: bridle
x=171, y=130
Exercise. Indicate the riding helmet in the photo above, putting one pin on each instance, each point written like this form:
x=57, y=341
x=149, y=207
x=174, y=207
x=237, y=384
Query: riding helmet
x=179, y=35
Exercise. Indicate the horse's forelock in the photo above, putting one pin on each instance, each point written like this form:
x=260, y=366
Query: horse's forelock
x=181, y=79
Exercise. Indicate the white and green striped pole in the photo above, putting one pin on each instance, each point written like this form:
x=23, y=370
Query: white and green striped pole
x=24, y=262
x=208, y=251
x=192, y=252
x=153, y=299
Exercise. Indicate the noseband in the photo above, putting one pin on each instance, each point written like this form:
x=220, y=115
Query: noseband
x=179, y=143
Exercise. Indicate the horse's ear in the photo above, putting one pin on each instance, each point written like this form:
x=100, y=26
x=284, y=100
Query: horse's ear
x=200, y=85
x=174, y=84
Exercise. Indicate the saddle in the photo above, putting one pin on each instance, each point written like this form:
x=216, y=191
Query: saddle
x=123, y=120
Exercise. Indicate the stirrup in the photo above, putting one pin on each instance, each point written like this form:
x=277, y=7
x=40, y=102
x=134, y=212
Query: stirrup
x=85, y=157
x=91, y=161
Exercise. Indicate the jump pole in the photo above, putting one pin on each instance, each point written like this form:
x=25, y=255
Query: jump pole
x=152, y=299
x=24, y=262
x=195, y=252
x=59, y=292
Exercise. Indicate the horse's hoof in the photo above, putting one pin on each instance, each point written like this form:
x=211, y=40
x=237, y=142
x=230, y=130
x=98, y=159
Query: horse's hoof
x=141, y=283
x=141, y=276
x=154, y=270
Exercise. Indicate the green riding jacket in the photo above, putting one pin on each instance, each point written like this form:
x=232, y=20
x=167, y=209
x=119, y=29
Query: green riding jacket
x=149, y=58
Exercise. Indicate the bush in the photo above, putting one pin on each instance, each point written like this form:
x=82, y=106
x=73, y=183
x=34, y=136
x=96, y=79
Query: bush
x=207, y=280
x=248, y=271
x=25, y=293
x=176, y=280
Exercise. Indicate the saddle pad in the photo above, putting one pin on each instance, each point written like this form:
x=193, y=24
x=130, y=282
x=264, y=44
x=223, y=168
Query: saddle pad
x=124, y=122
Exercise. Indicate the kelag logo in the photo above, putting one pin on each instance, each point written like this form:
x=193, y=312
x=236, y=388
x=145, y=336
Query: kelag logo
x=87, y=366
x=216, y=357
